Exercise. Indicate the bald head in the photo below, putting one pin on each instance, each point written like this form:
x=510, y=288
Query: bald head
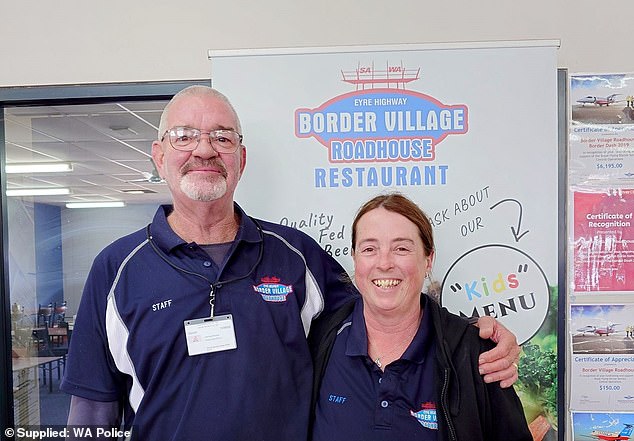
x=195, y=91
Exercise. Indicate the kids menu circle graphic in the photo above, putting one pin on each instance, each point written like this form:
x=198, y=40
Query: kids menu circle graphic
x=502, y=282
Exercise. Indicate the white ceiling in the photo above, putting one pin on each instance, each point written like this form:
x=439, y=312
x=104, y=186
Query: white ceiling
x=108, y=144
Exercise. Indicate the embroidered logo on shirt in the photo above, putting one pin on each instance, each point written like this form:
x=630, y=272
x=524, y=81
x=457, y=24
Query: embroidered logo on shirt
x=271, y=290
x=427, y=415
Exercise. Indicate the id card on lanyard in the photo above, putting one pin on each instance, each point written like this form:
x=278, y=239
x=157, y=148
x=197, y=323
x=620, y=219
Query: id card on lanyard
x=210, y=334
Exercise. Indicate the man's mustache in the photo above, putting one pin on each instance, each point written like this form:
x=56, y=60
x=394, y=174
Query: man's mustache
x=213, y=163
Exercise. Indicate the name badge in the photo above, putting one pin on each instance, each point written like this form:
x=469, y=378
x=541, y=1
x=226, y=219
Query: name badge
x=211, y=334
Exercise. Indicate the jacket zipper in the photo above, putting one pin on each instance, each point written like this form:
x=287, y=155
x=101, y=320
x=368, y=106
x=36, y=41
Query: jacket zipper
x=445, y=386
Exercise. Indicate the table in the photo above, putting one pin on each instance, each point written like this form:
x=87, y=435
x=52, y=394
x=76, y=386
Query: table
x=58, y=335
x=31, y=362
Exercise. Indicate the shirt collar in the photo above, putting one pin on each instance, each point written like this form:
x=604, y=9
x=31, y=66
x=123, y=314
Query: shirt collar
x=167, y=239
x=357, y=342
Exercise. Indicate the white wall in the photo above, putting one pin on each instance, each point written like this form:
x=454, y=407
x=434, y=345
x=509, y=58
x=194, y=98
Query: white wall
x=75, y=41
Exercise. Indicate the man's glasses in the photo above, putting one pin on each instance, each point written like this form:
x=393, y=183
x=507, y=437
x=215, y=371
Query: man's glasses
x=186, y=139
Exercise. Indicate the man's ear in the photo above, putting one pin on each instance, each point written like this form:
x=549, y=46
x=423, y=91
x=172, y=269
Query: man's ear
x=243, y=158
x=158, y=156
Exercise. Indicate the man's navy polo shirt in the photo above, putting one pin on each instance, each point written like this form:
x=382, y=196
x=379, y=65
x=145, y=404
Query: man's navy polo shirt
x=359, y=402
x=129, y=338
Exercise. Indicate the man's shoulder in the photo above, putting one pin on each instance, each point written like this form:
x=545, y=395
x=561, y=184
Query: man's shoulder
x=111, y=258
x=288, y=233
x=123, y=246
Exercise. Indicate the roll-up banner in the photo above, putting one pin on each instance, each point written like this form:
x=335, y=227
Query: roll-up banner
x=468, y=131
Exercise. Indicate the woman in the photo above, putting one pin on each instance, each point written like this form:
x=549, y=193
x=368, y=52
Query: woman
x=393, y=365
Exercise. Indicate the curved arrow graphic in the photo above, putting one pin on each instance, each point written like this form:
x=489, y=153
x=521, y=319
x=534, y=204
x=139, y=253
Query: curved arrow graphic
x=515, y=231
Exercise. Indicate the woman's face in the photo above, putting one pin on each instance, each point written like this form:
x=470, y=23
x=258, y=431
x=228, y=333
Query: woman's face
x=390, y=263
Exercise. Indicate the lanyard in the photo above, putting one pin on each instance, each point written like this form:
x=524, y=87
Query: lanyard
x=213, y=286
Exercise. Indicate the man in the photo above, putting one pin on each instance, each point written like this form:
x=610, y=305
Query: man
x=195, y=327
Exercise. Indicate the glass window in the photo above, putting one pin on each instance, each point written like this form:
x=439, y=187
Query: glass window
x=106, y=149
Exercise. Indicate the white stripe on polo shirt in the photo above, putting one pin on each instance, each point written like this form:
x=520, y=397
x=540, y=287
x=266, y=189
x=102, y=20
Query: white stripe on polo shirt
x=118, y=336
x=314, y=299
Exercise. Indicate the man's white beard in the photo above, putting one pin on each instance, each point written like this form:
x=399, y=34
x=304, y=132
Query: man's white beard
x=205, y=189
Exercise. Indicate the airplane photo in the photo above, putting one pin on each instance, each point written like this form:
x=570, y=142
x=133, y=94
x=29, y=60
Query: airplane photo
x=597, y=100
x=598, y=330
x=623, y=435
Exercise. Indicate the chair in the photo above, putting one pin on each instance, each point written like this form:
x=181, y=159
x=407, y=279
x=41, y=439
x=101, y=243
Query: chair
x=44, y=314
x=42, y=342
x=59, y=312
x=59, y=335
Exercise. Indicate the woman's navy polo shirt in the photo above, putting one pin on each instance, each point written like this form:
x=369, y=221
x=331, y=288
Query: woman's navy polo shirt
x=359, y=402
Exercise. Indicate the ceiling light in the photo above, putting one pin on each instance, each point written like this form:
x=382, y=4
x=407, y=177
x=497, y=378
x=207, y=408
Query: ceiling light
x=38, y=191
x=39, y=167
x=111, y=204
